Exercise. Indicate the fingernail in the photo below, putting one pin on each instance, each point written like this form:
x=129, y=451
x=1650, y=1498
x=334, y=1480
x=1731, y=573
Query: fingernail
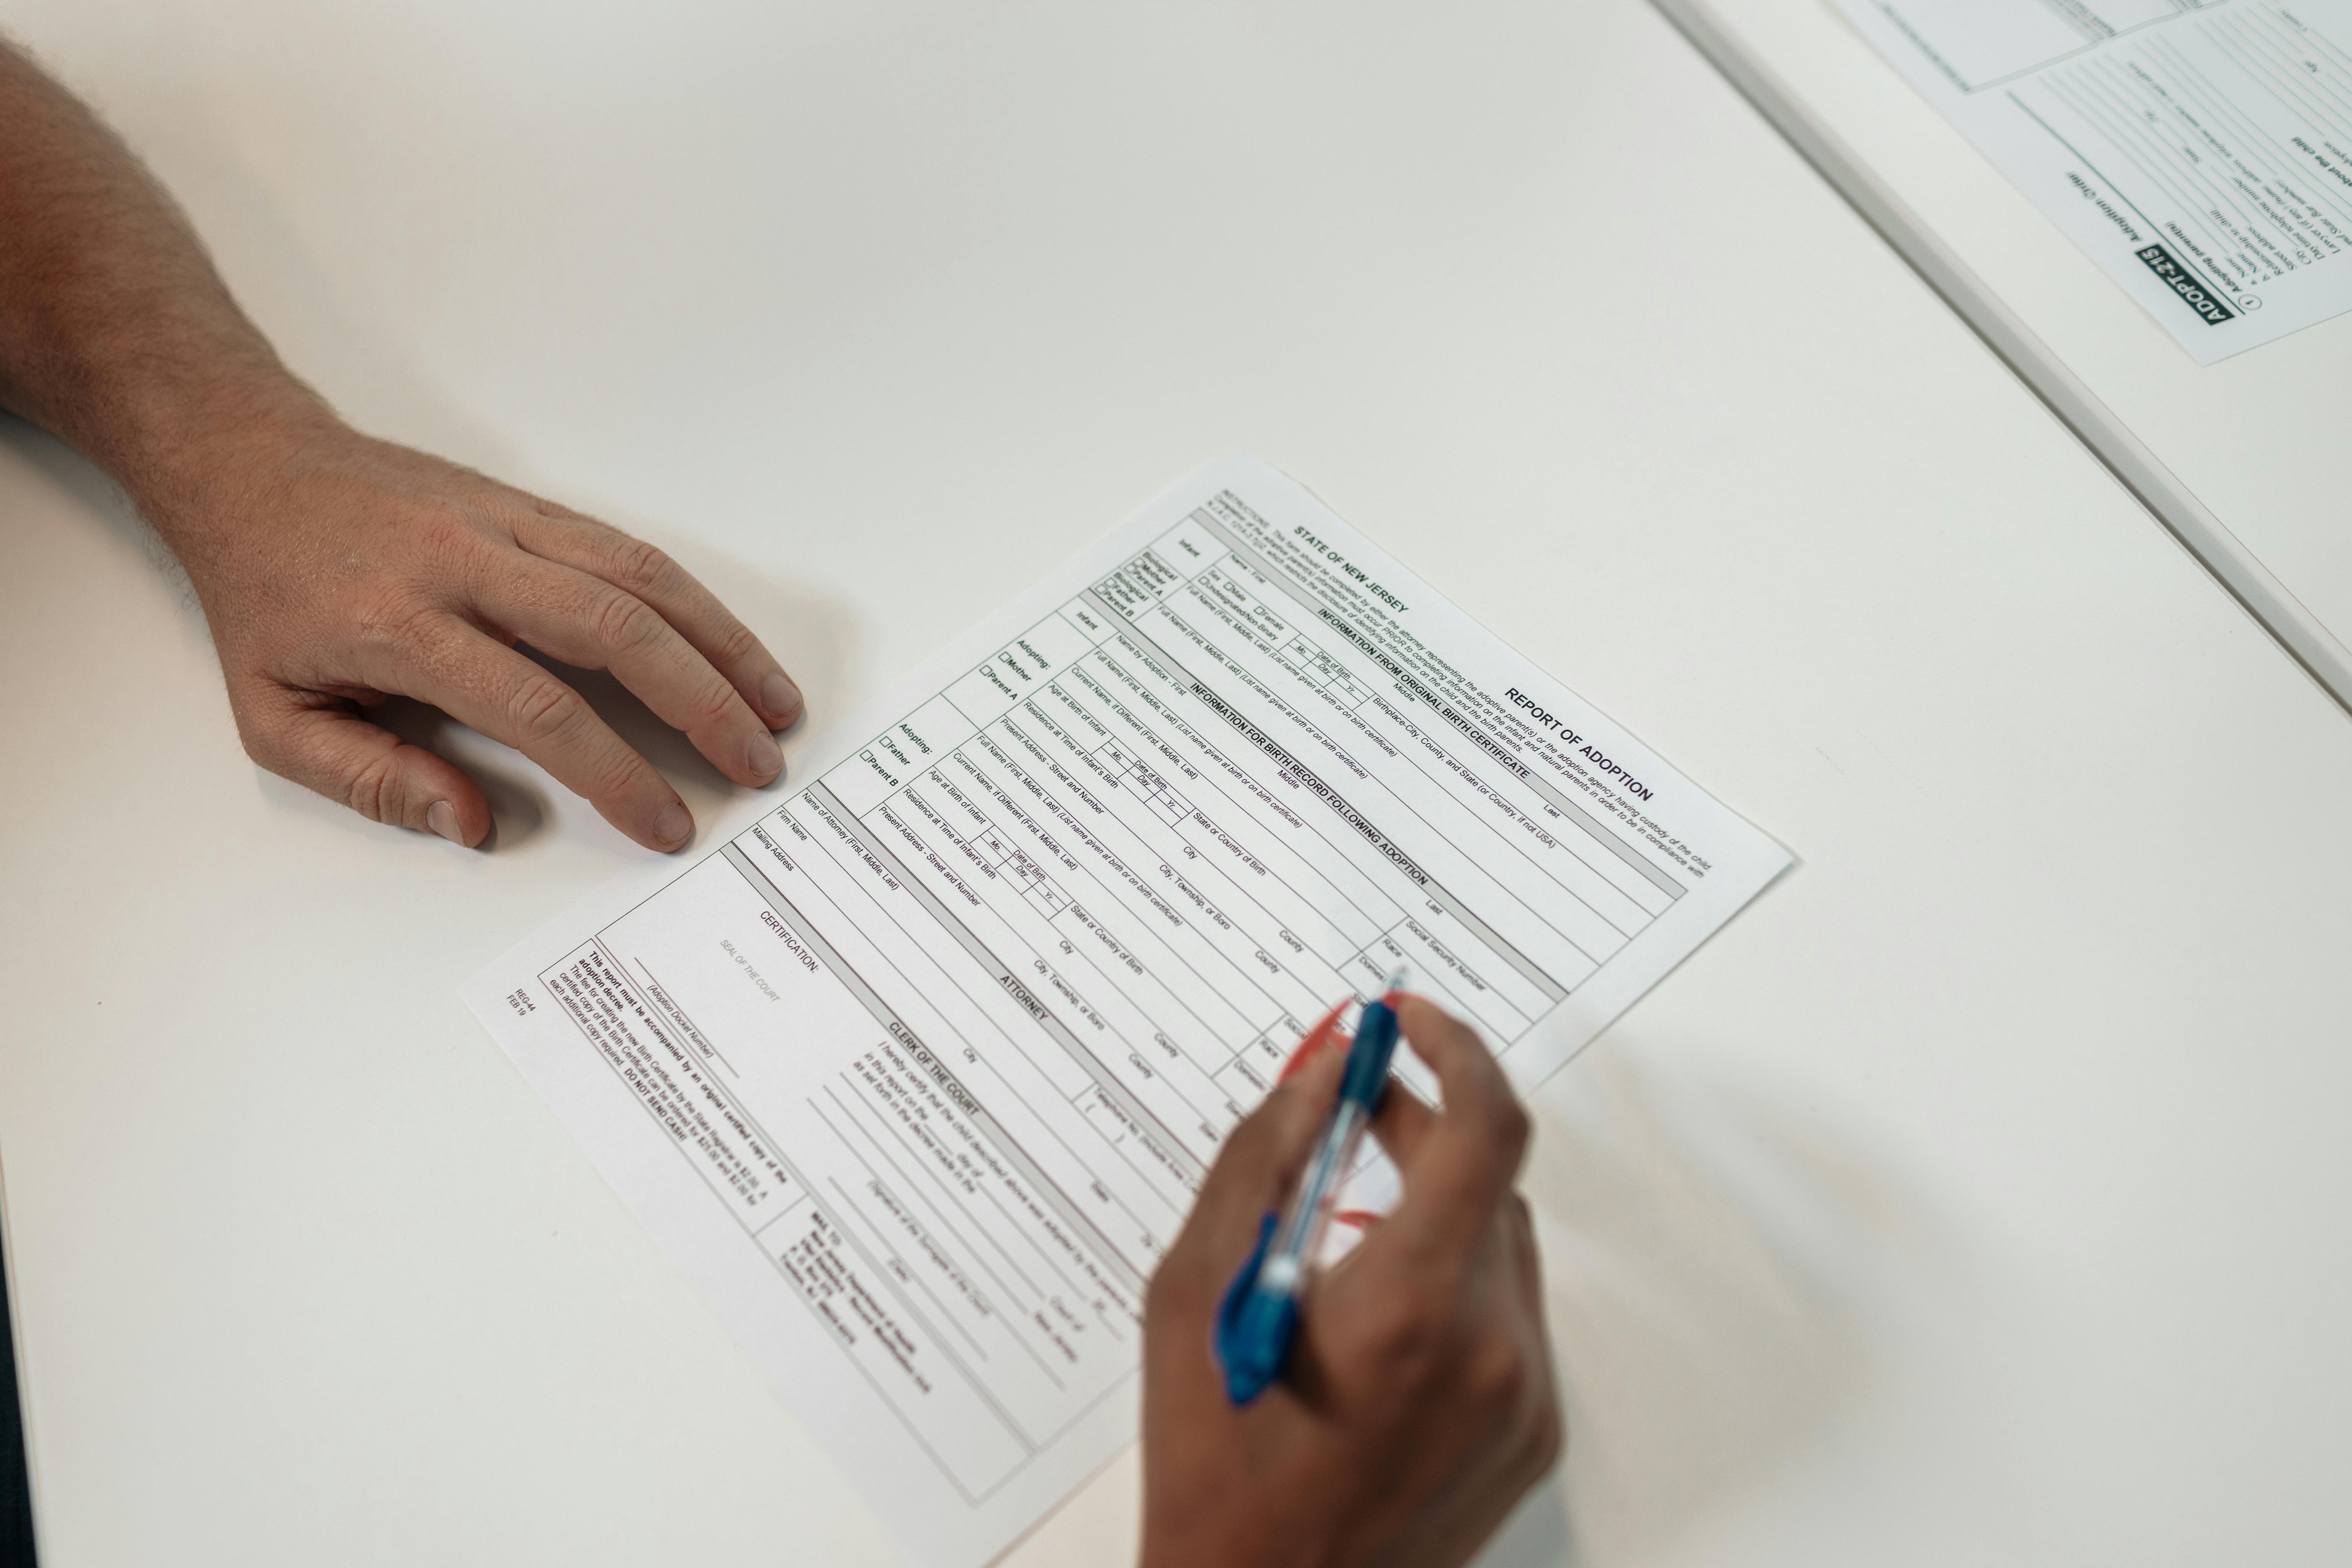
x=441, y=818
x=779, y=696
x=671, y=824
x=763, y=756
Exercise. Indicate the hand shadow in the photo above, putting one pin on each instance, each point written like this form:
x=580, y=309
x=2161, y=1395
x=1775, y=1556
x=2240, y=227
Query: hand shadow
x=1692, y=1240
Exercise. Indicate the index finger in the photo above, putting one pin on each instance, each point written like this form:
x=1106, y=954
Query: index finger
x=1459, y=1165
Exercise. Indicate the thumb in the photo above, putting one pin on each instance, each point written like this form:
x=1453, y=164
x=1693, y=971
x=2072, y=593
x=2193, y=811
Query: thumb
x=338, y=753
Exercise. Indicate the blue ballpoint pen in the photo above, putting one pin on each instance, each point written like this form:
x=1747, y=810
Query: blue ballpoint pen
x=1259, y=1316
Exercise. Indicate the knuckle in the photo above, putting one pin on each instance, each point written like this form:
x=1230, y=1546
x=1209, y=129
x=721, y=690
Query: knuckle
x=1406, y=1328
x=635, y=565
x=541, y=708
x=736, y=644
x=444, y=533
x=270, y=754
x=624, y=623
x=442, y=548
x=618, y=777
x=263, y=742
x=375, y=791
x=715, y=701
x=392, y=619
x=1496, y=1376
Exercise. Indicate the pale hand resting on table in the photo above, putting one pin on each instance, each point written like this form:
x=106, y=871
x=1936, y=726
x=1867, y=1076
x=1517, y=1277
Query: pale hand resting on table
x=336, y=570
x=1418, y=1406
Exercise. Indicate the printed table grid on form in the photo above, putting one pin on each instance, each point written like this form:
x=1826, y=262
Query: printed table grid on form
x=1081, y=904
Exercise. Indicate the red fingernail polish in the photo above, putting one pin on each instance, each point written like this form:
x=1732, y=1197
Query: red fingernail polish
x=1320, y=1036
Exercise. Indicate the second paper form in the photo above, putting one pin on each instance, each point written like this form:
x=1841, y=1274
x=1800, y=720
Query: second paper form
x=2199, y=150
x=949, y=1037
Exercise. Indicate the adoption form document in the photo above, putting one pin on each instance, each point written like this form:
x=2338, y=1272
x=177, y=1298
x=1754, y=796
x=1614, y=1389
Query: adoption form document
x=2200, y=150
x=915, y=1074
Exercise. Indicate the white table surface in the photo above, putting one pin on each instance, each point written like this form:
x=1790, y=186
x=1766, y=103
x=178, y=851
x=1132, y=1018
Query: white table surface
x=1979, y=1196
x=2260, y=438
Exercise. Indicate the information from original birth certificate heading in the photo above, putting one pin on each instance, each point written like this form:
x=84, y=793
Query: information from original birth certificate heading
x=915, y=1075
x=2199, y=150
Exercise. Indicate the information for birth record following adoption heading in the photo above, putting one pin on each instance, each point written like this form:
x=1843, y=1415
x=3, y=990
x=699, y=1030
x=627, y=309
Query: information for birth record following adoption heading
x=916, y=1074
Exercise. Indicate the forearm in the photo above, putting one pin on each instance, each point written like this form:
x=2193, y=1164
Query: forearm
x=116, y=333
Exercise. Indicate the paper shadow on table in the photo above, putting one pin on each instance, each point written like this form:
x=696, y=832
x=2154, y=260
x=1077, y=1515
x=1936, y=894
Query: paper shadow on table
x=1689, y=1239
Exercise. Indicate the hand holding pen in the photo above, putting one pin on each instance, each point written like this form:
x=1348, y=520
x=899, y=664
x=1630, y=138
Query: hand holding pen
x=1416, y=1404
x=1258, y=1320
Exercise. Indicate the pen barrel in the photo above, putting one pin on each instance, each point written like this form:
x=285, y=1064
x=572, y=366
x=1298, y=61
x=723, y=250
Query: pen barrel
x=1300, y=1235
x=1367, y=1078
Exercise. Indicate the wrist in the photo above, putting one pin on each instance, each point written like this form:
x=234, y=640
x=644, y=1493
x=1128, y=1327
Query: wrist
x=189, y=446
